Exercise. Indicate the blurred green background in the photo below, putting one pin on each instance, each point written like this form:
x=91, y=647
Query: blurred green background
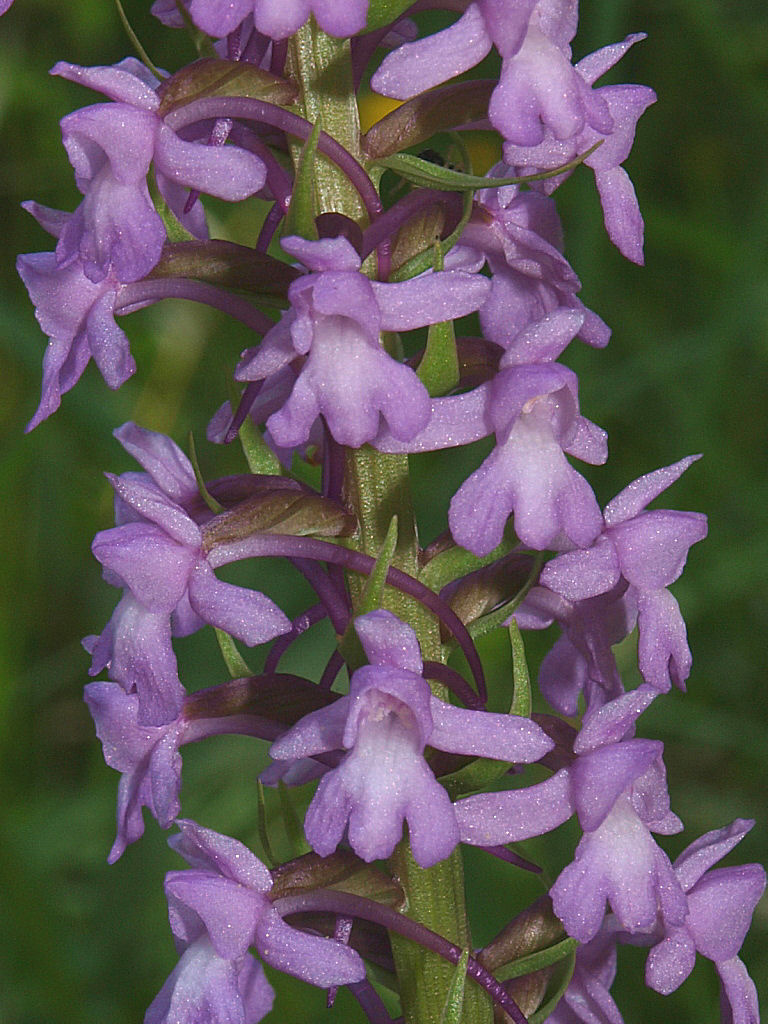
x=686, y=371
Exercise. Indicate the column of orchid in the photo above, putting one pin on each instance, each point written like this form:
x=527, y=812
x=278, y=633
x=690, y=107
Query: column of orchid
x=367, y=240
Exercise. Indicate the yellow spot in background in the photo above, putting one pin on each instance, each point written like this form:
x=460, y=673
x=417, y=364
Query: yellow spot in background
x=484, y=150
x=484, y=147
x=373, y=107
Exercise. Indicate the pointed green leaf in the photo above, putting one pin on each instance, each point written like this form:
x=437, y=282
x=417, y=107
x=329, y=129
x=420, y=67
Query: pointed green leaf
x=476, y=777
x=262, y=827
x=300, y=218
x=564, y=979
x=521, y=700
x=259, y=456
x=454, y=1001
x=429, y=175
x=202, y=43
x=384, y=12
x=227, y=265
x=483, y=772
x=280, y=510
x=371, y=599
x=439, y=366
x=537, y=961
x=213, y=76
x=233, y=659
x=174, y=229
x=136, y=42
x=205, y=494
x=293, y=827
x=373, y=594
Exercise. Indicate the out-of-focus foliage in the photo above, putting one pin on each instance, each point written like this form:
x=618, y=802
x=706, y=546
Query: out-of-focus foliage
x=686, y=371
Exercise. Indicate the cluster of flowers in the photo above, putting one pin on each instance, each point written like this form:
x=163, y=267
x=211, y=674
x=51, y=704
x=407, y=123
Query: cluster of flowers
x=321, y=380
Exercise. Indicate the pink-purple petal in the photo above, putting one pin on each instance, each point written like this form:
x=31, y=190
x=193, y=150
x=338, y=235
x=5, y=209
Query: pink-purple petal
x=149, y=562
x=721, y=906
x=315, y=733
x=432, y=298
x=663, y=655
x=162, y=458
x=425, y=63
x=141, y=499
x=207, y=850
x=578, y=575
x=707, y=850
x=490, y=819
x=486, y=734
x=739, y=1001
x=318, y=961
x=224, y=171
x=247, y=614
x=636, y=496
x=203, y=988
x=601, y=776
x=670, y=962
x=127, y=82
x=219, y=17
x=388, y=641
x=229, y=911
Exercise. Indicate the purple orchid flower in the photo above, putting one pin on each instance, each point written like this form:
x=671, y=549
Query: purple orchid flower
x=648, y=550
x=520, y=235
x=156, y=555
x=384, y=724
x=617, y=860
x=720, y=906
x=148, y=757
x=207, y=987
x=539, y=90
x=533, y=410
x=624, y=105
x=76, y=314
x=535, y=416
x=5, y=5
x=219, y=909
x=582, y=659
x=111, y=146
x=587, y=999
x=617, y=787
x=277, y=19
x=335, y=320
x=529, y=29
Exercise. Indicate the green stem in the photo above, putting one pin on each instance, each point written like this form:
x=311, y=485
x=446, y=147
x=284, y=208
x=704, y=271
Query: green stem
x=322, y=69
x=377, y=487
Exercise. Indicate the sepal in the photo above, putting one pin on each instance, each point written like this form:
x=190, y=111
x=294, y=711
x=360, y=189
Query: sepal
x=226, y=265
x=283, y=510
x=273, y=697
x=431, y=175
x=212, y=76
x=422, y=117
x=341, y=870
